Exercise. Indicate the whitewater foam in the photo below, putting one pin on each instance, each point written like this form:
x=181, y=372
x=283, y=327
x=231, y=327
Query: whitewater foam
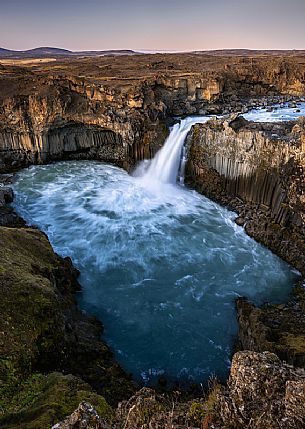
x=276, y=113
x=160, y=265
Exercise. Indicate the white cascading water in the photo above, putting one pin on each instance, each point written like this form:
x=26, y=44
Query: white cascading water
x=161, y=265
x=164, y=168
x=170, y=160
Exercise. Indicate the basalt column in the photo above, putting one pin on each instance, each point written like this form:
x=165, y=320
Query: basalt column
x=258, y=170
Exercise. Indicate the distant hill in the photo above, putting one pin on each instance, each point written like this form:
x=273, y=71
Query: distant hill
x=5, y=52
x=49, y=52
x=249, y=52
x=46, y=52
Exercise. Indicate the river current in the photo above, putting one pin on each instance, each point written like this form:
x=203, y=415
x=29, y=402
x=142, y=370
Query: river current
x=160, y=264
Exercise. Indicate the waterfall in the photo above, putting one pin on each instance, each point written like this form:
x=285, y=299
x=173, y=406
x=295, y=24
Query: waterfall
x=165, y=166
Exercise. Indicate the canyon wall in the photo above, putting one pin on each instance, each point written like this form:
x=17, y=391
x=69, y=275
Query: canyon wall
x=68, y=122
x=259, y=171
x=53, y=113
x=117, y=112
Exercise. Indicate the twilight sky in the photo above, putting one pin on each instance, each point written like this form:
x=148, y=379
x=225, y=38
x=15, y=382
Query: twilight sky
x=152, y=24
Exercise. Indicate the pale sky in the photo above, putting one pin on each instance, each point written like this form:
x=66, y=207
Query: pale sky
x=152, y=25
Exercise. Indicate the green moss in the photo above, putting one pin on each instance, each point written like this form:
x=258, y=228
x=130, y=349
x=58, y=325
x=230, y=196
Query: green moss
x=294, y=343
x=40, y=328
x=204, y=411
x=149, y=410
x=197, y=413
x=28, y=299
x=43, y=400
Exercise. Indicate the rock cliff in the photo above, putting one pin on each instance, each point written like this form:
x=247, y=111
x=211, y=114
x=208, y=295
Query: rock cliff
x=262, y=393
x=44, y=337
x=114, y=109
x=277, y=328
x=65, y=120
x=259, y=171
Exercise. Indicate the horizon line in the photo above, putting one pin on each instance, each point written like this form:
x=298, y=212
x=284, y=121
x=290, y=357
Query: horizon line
x=153, y=50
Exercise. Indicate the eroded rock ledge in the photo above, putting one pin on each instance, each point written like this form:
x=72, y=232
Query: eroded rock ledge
x=262, y=393
x=52, y=356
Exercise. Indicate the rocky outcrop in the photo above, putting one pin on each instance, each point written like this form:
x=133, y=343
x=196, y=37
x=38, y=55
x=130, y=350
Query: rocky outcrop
x=276, y=328
x=262, y=393
x=42, y=331
x=259, y=171
x=7, y=215
x=84, y=417
x=148, y=409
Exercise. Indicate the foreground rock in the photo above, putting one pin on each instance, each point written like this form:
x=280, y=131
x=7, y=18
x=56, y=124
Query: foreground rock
x=148, y=410
x=42, y=331
x=263, y=393
x=84, y=417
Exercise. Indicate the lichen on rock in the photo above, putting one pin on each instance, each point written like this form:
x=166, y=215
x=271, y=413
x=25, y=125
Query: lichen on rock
x=263, y=393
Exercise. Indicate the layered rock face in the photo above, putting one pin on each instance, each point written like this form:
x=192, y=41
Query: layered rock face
x=259, y=171
x=68, y=123
x=116, y=112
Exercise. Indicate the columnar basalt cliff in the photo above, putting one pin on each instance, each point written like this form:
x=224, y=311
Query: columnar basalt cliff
x=114, y=109
x=64, y=121
x=259, y=171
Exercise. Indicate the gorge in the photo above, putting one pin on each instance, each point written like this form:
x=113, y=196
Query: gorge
x=255, y=169
x=154, y=258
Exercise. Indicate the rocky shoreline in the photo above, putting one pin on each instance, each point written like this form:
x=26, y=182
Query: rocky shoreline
x=279, y=329
x=52, y=357
x=258, y=171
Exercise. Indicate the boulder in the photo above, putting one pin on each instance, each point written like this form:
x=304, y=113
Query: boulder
x=263, y=393
x=84, y=417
